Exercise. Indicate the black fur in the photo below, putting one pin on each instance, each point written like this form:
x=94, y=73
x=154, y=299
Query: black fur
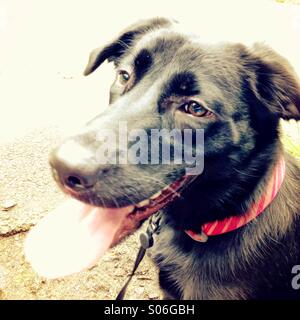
x=248, y=91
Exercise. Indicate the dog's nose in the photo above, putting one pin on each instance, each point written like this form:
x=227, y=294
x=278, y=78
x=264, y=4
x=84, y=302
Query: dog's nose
x=74, y=166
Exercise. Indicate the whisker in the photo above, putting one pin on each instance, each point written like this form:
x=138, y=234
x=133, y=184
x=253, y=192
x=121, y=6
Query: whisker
x=128, y=197
x=245, y=174
x=101, y=199
x=115, y=202
x=173, y=191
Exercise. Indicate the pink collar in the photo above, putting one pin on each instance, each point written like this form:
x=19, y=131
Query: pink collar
x=232, y=223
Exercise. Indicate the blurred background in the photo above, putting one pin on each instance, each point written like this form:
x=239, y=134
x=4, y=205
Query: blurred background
x=44, y=46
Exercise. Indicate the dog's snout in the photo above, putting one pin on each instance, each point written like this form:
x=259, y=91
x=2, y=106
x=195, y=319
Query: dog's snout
x=73, y=166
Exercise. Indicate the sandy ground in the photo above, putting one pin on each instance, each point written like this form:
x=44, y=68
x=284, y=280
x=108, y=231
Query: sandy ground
x=44, y=97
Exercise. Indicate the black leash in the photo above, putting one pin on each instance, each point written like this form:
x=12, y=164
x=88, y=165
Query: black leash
x=138, y=260
x=146, y=241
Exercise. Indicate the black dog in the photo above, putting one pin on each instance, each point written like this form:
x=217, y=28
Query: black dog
x=237, y=95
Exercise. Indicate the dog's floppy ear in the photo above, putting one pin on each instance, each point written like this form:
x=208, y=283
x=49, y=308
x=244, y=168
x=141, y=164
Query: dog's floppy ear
x=273, y=81
x=118, y=46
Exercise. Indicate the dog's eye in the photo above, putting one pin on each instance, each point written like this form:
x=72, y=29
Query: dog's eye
x=123, y=77
x=196, y=109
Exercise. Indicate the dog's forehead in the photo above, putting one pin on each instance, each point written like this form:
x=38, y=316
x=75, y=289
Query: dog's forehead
x=169, y=44
x=153, y=39
x=185, y=51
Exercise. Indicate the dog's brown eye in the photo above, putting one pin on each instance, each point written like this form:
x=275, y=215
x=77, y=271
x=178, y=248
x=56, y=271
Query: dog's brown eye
x=195, y=109
x=123, y=77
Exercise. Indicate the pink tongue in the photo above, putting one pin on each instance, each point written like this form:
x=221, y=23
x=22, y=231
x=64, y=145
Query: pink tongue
x=72, y=238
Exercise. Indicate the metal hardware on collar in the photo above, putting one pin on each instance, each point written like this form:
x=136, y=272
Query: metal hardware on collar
x=146, y=238
x=199, y=237
x=146, y=241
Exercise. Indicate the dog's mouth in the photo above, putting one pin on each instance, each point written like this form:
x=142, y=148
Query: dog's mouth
x=75, y=235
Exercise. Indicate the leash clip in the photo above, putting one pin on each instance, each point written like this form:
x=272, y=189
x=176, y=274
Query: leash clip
x=146, y=238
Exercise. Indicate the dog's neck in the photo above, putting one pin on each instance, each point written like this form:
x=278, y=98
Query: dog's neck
x=229, y=193
x=219, y=227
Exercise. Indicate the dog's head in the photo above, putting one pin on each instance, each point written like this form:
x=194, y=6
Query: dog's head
x=168, y=80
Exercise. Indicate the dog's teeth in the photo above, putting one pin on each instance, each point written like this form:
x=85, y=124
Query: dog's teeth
x=143, y=203
x=130, y=209
x=156, y=195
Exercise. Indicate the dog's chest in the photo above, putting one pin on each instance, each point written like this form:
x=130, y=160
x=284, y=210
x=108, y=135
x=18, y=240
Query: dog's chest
x=193, y=277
